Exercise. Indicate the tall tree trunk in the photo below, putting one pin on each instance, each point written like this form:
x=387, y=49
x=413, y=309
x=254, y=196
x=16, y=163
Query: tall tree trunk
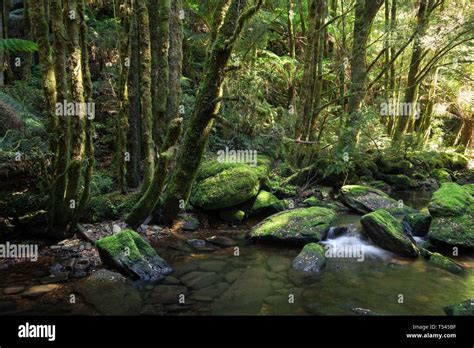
x=160, y=34
x=28, y=57
x=145, y=93
x=291, y=30
x=208, y=101
x=365, y=12
x=405, y=122
x=122, y=119
x=134, y=131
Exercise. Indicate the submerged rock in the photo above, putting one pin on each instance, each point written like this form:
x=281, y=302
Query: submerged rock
x=463, y=308
x=297, y=225
x=417, y=224
x=133, y=256
x=224, y=185
x=364, y=199
x=221, y=241
x=110, y=293
x=442, y=262
x=388, y=233
x=311, y=259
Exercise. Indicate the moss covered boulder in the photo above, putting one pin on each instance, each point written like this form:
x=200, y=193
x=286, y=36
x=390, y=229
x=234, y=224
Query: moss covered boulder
x=300, y=225
x=133, y=256
x=232, y=215
x=224, y=185
x=453, y=231
x=417, y=224
x=364, y=199
x=463, y=308
x=311, y=259
x=450, y=199
x=266, y=202
x=387, y=232
x=398, y=181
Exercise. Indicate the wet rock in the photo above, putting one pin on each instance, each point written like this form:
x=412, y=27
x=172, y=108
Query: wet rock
x=452, y=231
x=278, y=263
x=209, y=293
x=232, y=276
x=133, y=256
x=298, y=225
x=232, y=215
x=170, y=280
x=267, y=203
x=212, y=265
x=13, y=290
x=185, y=268
x=443, y=262
x=39, y=290
x=417, y=224
x=167, y=294
x=200, y=245
x=311, y=259
x=245, y=296
x=198, y=280
x=191, y=223
x=450, y=200
x=221, y=241
x=364, y=199
x=363, y=311
x=56, y=278
x=388, y=233
x=463, y=308
x=110, y=293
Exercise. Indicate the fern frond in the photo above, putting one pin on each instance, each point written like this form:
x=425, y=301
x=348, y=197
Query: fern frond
x=17, y=45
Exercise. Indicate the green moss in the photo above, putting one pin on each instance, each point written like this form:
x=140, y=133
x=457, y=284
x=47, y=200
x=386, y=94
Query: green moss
x=418, y=223
x=469, y=188
x=388, y=233
x=464, y=308
x=125, y=242
x=399, y=181
x=227, y=188
x=311, y=258
x=442, y=175
x=450, y=200
x=297, y=224
x=266, y=202
x=110, y=206
x=311, y=201
x=445, y=263
x=456, y=230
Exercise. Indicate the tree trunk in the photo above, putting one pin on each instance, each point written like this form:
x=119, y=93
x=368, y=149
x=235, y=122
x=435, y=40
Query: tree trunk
x=208, y=102
x=122, y=119
x=365, y=12
x=28, y=57
x=134, y=136
x=145, y=93
x=291, y=31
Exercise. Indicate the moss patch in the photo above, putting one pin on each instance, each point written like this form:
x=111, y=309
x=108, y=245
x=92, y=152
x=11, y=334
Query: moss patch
x=456, y=230
x=450, y=200
x=442, y=175
x=297, y=225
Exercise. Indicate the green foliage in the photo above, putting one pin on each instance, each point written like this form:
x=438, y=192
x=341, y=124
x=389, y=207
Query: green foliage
x=12, y=45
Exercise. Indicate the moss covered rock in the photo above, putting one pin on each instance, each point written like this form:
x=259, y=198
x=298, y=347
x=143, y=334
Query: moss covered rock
x=453, y=231
x=450, y=200
x=417, y=224
x=469, y=188
x=463, y=308
x=398, y=181
x=311, y=259
x=267, y=202
x=388, y=233
x=442, y=175
x=443, y=262
x=224, y=185
x=364, y=199
x=297, y=225
x=133, y=256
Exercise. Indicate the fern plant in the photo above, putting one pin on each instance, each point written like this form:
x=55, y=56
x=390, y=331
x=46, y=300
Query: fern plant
x=17, y=45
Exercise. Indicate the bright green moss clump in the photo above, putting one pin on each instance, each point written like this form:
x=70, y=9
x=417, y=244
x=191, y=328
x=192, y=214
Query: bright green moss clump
x=442, y=175
x=227, y=188
x=455, y=230
x=450, y=200
x=267, y=202
x=126, y=241
x=297, y=225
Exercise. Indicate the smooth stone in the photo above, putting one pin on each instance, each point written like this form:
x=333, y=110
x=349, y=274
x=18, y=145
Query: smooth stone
x=212, y=265
x=39, y=290
x=232, y=276
x=278, y=263
x=13, y=290
x=210, y=293
x=167, y=294
x=221, y=241
x=199, y=280
x=170, y=280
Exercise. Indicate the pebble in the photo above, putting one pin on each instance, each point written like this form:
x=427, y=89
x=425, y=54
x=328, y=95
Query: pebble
x=13, y=290
x=39, y=290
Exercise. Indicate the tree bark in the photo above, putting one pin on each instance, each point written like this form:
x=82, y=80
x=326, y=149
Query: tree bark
x=208, y=102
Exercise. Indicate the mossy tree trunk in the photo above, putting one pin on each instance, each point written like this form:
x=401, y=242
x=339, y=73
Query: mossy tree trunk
x=365, y=12
x=207, y=106
x=160, y=42
x=122, y=119
x=134, y=133
x=145, y=93
x=28, y=57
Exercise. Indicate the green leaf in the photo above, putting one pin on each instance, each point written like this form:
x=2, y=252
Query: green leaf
x=17, y=45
